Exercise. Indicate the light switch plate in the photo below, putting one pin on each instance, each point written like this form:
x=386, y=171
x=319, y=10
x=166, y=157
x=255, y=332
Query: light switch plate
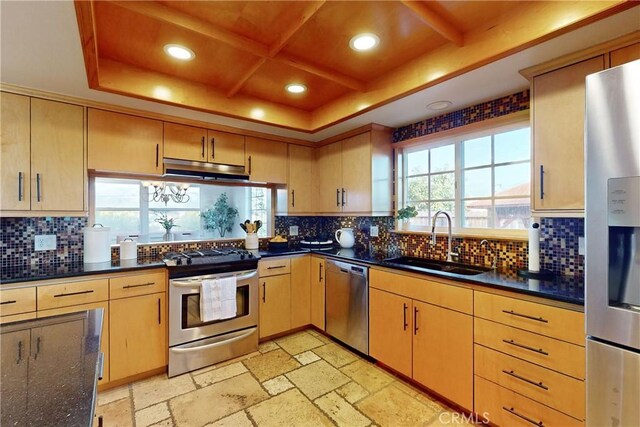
x=45, y=242
x=374, y=231
x=581, y=250
x=293, y=230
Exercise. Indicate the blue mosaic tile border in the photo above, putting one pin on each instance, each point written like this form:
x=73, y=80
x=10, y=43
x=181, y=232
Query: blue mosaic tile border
x=559, y=245
x=476, y=113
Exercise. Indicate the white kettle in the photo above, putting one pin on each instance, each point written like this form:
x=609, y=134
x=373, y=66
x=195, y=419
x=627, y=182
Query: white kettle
x=345, y=237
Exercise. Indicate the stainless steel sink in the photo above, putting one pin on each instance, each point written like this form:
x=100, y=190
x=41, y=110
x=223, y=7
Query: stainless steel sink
x=436, y=265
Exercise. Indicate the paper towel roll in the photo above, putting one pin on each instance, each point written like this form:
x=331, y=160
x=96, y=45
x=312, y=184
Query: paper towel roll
x=97, y=246
x=128, y=249
x=534, y=247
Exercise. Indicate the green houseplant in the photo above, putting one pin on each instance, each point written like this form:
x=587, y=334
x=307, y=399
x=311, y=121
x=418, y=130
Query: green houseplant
x=221, y=216
x=406, y=213
x=166, y=223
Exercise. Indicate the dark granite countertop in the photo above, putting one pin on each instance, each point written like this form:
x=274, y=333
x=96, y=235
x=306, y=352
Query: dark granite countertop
x=50, y=368
x=44, y=272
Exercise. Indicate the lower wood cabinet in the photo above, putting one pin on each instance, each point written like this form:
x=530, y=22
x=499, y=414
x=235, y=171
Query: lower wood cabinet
x=317, y=292
x=300, y=291
x=275, y=304
x=138, y=334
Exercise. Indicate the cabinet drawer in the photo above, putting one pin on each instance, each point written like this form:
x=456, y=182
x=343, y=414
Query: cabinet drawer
x=16, y=301
x=548, y=387
x=138, y=284
x=544, y=351
x=17, y=317
x=566, y=325
x=74, y=293
x=441, y=294
x=271, y=267
x=506, y=408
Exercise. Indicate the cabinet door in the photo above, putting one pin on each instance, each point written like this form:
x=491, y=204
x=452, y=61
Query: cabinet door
x=558, y=132
x=225, y=148
x=266, y=160
x=57, y=156
x=185, y=142
x=14, y=351
x=275, y=304
x=317, y=292
x=390, y=329
x=625, y=54
x=300, y=165
x=124, y=143
x=15, y=160
x=356, y=173
x=329, y=176
x=138, y=335
x=300, y=291
x=443, y=352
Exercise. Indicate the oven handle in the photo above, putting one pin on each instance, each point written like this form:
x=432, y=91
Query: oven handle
x=215, y=344
x=196, y=283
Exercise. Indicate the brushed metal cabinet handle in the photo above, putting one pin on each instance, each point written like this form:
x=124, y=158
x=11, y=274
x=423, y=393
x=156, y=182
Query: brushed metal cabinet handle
x=38, y=341
x=527, y=380
x=213, y=152
x=293, y=198
x=202, y=147
x=541, y=181
x=524, y=417
x=159, y=312
x=264, y=291
x=526, y=316
x=526, y=347
x=20, y=178
x=415, y=320
x=19, y=359
x=137, y=286
x=343, y=203
x=249, y=165
x=8, y=302
x=90, y=291
x=404, y=309
x=157, y=154
x=275, y=267
x=320, y=273
x=337, y=197
x=38, y=187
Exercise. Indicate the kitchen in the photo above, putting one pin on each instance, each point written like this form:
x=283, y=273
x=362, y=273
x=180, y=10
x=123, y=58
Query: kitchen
x=317, y=233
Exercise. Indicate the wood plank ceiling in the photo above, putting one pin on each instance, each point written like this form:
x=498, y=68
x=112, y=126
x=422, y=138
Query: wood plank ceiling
x=248, y=51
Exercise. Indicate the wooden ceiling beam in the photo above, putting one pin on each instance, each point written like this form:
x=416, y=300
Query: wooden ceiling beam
x=436, y=21
x=240, y=83
x=325, y=73
x=286, y=35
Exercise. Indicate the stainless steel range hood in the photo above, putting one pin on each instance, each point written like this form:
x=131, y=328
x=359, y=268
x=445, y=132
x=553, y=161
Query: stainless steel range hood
x=204, y=170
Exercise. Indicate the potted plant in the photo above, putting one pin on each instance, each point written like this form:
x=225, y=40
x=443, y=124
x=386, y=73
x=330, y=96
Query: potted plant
x=405, y=214
x=221, y=216
x=166, y=223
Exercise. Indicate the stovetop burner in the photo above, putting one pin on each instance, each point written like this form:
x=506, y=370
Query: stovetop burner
x=208, y=256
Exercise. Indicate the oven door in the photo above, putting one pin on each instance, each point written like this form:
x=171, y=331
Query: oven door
x=185, y=324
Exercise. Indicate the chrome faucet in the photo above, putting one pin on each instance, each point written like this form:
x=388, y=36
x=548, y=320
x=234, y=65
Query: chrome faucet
x=493, y=252
x=450, y=254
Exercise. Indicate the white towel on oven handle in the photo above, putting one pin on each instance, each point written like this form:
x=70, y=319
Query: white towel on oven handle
x=210, y=300
x=228, y=286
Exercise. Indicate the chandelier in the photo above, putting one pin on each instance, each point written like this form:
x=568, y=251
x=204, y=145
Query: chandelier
x=163, y=192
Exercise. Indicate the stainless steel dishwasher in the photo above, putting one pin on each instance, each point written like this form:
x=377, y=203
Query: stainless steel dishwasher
x=347, y=304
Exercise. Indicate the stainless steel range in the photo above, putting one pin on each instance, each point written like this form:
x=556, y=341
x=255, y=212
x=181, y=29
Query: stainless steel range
x=194, y=343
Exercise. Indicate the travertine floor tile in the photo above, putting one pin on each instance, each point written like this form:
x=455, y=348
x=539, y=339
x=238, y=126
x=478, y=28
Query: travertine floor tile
x=391, y=407
x=335, y=355
x=112, y=395
x=320, y=336
x=153, y=414
x=409, y=389
x=290, y=408
x=216, y=401
x=297, y=343
x=317, y=379
x=115, y=414
x=352, y=392
x=216, y=375
x=306, y=357
x=164, y=423
x=159, y=388
x=238, y=359
x=340, y=411
x=367, y=375
x=270, y=365
x=430, y=401
x=267, y=347
x=277, y=385
x=449, y=419
x=239, y=419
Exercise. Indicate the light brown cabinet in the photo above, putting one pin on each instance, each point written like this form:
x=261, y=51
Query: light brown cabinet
x=42, y=155
x=202, y=145
x=317, y=292
x=17, y=301
x=624, y=55
x=266, y=161
x=226, y=148
x=124, y=143
x=299, y=196
x=355, y=174
x=275, y=304
x=300, y=291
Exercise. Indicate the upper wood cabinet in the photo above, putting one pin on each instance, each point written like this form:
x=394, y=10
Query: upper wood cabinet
x=226, y=148
x=558, y=136
x=624, y=55
x=43, y=166
x=124, y=143
x=202, y=145
x=299, y=196
x=355, y=175
x=266, y=160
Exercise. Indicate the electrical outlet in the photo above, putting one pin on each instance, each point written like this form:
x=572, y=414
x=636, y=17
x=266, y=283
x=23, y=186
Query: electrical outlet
x=293, y=230
x=45, y=242
x=581, y=250
x=373, y=230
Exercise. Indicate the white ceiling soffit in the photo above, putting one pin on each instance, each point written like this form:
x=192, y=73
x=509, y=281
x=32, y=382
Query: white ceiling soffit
x=40, y=49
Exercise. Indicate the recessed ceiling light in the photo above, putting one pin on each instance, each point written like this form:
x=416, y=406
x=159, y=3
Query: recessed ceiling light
x=365, y=41
x=439, y=105
x=179, y=52
x=296, y=88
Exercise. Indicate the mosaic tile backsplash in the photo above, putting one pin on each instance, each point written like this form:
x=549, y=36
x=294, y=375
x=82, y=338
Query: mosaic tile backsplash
x=476, y=113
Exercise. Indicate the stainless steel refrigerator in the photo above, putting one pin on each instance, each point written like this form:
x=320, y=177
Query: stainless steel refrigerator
x=612, y=221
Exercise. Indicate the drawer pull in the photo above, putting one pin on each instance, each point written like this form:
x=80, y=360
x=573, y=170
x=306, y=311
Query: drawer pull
x=8, y=302
x=526, y=347
x=90, y=291
x=526, y=316
x=137, y=286
x=524, y=417
x=404, y=309
x=276, y=266
x=521, y=378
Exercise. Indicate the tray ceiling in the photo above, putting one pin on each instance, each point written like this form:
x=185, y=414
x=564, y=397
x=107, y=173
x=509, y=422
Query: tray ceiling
x=246, y=52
